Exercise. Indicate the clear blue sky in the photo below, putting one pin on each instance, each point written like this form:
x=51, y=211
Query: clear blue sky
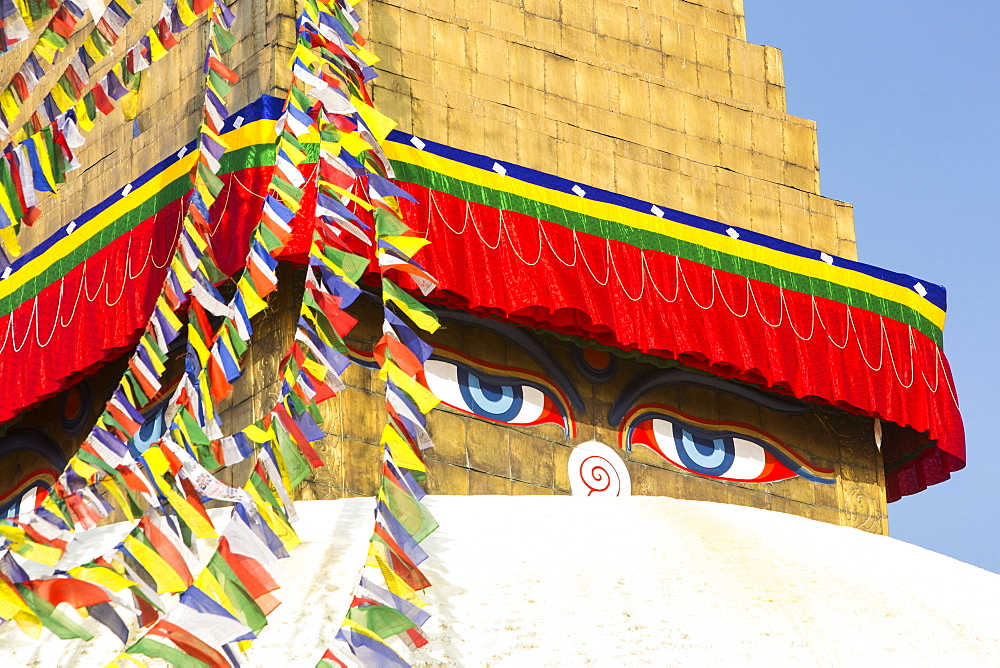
x=906, y=96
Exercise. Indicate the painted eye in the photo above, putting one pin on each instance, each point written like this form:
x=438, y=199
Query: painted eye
x=719, y=453
x=26, y=501
x=505, y=399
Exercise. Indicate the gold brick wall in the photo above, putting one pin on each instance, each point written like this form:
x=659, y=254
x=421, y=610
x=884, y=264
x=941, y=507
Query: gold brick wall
x=477, y=456
x=665, y=101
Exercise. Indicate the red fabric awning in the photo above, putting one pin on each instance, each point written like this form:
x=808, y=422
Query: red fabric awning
x=99, y=309
x=547, y=276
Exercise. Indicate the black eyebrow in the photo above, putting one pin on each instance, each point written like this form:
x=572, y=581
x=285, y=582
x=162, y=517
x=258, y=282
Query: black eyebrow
x=527, y=343
x=650, y=380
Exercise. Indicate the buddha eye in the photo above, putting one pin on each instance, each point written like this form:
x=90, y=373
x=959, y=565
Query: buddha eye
x=720, y=453
x=507, y=399
x=30, y=498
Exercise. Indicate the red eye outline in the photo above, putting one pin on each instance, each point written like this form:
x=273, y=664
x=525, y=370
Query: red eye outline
x=42, y=478
x=779, y=463
x=555, y=410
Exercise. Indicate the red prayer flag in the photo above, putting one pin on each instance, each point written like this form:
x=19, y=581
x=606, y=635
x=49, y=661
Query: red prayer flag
x=77, y=593
x=101, y=100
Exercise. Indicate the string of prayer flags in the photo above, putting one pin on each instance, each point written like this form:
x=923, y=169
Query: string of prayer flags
x=67, y=110
x=166, y=483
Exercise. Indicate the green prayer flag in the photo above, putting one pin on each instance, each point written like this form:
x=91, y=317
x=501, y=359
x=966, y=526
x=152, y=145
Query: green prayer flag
x=354, y=266
x=245, y=608
x=223, y=37
x=414, y=517
x=300, y=99
x=382, y=620
x=212, y=182
x=218, y=84
x=388, y=224
x=177, y=658
x=193, y=428
x=54, y=620
x=262, y=488
x=279, y=183
x=296, y=464
x=8, y=185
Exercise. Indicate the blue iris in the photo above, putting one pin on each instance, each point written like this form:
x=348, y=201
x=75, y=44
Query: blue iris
x=489, y=400
x=708, y=456
x=151, y=431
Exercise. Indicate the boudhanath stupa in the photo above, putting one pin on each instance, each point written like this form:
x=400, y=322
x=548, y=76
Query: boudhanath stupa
x=356, y=333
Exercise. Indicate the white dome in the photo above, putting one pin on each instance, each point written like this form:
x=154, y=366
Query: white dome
x=547, y=581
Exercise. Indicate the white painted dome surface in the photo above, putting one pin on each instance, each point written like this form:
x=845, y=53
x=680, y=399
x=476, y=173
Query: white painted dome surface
x=565, y=581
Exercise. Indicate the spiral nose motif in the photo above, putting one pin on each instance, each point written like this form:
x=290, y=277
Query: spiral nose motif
x=595, y=469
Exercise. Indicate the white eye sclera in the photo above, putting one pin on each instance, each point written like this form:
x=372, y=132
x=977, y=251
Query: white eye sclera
x=726, y=456
x=504, y=400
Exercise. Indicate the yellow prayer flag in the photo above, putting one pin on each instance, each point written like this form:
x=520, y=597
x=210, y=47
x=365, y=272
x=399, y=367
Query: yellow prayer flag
x=156, y=48
x=20, y=543
x=206, y=130
x=304, y=54
x=9, y=104
x=156, y=461
x=402, y=452
x=203, y=387
x=154, y=356
x=194, y=338
x=101, y=575
x=12, y=533
x=5, y=203
x=395, y=583
x=279, y=459
x=201, y=527
x=183, y=275
x=50, y=505
x=91, y=49
x=286, y=534
x=116, y=492
x=353, y=142
x=365, y=55
x=423, y=397
x=167, y=579
x=22, y=7
x=209, y=584
x=83, y=120
x=294, y=154
x=206, y=195
x=287, y=199
x=185, y=13
x=62, y=100
x=409, y=245
x=254, y=304
x=43, y=554
x=45, y=49
x=29, y=624
x=85, y=470
x=196, y=235
x=12, y=606
x=258, y=435
x=164, y=309
x=424, y=321
x=10, y=601
x=126, y=387
x=312, y=12
x=380, y=124
x=129, y=104
x=315, y=368
x=349, y=195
